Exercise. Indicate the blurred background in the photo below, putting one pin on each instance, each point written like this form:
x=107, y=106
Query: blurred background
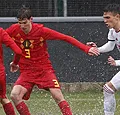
x=53, y=8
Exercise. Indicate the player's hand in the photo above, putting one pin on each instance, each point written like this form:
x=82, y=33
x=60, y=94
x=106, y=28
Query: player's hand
x=93, y=51
x=111, y=61
x=92, y=44
x=13, y=67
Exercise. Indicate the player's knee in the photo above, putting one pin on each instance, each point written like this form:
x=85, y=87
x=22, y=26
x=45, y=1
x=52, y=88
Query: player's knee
x=4, y=101
x=14, y=96
x=108, y=89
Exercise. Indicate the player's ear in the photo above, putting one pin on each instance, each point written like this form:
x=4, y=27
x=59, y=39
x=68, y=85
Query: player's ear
x=117, y=16
x=31, y=18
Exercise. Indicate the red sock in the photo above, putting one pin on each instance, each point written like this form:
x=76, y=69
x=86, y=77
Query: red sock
x=65, y=108
x=8, y=108
x=23, y=109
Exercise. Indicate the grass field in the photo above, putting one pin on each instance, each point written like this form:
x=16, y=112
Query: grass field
x=82, y=103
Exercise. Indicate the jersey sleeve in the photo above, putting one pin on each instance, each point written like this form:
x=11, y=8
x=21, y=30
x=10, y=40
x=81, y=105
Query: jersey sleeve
x=110, y=35
x=50, y=34
x=109, y=46
x=7, y=40
x=117, y=62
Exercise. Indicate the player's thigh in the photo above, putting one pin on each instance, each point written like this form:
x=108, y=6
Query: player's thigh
x=18, y=90
x=115, y=81
x=56, y=94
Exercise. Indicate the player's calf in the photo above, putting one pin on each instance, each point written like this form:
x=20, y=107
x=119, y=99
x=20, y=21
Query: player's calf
x=109, y=100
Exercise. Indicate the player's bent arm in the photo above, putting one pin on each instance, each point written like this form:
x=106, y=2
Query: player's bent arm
x=13, y=67
x=17, y=51
x=109, y=46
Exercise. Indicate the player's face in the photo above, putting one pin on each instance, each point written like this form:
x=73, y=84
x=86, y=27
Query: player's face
x=111, y=20
x=25, y=25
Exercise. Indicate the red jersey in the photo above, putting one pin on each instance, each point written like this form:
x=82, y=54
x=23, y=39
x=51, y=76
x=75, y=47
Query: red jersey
x=34, y=47
x=5, y=39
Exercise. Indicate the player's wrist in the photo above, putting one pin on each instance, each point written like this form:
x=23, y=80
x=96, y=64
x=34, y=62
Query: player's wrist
x=13, y=63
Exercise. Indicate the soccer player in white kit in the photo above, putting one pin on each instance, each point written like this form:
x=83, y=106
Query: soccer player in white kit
x=111, y=17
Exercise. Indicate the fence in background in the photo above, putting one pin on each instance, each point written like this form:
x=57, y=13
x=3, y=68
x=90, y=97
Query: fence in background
x=55, y=8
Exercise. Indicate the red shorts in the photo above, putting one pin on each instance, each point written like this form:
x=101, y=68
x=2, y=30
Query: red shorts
x=2, y=84
x=44, y=80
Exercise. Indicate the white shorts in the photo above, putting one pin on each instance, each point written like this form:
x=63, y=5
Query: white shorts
x=116, y=81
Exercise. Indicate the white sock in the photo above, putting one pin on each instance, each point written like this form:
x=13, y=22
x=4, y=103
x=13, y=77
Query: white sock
x=109, y=113
x=109, y=100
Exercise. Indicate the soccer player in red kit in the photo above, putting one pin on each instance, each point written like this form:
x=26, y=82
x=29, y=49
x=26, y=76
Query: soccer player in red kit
x=35, y=66
x=5, y=39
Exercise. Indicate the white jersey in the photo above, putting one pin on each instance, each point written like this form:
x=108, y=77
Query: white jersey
x=113, y=39
x=114, y=36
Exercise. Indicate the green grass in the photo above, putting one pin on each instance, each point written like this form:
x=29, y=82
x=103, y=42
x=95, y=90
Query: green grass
x=82, y=103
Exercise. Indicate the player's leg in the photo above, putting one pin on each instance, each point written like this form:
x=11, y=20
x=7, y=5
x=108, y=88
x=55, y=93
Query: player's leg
x=17, y=94
x=109, y=97
x=62, y=103
x=49, y=81
x=19, y=91
x=7, y=105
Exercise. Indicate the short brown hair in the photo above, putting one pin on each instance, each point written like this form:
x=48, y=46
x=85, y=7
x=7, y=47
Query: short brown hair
x=24, y=12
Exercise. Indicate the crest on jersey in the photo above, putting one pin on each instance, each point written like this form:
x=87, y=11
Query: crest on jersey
x=26, y=43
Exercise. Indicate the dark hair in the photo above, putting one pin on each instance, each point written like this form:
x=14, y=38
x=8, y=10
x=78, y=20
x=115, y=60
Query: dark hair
x=24, y=12
x=114, y=8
